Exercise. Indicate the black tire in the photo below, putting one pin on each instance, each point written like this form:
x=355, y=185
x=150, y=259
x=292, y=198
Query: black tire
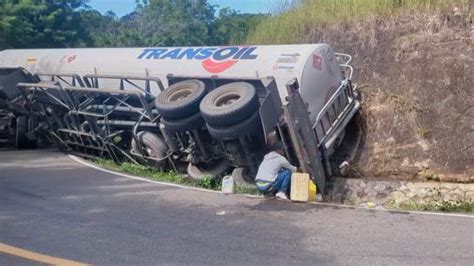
x=229, y=104
x=215, y=171
x=252, y=127
x=181, y=99
x=21, y=139
x=186, y=124
x=152, y=146
x=32, y=125
x=242, y=179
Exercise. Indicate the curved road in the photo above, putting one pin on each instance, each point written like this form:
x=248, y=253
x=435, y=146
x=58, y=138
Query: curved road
x=52, y=205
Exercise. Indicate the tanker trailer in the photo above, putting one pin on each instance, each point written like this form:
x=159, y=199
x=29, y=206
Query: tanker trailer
x=202, y=110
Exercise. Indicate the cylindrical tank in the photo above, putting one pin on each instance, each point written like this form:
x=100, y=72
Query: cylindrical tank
x=314, y=65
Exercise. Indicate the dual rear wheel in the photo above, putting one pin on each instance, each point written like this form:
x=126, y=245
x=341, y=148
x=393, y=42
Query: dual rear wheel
x=228, y=112
x=231, y=111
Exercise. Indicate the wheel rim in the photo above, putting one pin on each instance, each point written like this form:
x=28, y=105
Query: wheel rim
x=181, y=94
x=149, y=152
x=227, y=99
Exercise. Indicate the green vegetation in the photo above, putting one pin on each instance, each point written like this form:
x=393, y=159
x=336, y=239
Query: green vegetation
x=252, y=190
x=29, y=23
x=233, y=28
x=171, y=177
x=435, y=206
x=144, y=171
x=299, y=22
x=72, y=23
x=428, y=175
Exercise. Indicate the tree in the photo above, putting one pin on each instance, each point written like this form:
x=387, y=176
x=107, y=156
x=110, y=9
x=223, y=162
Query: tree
x=174, y=22
x=109, y=31
x=71, y=23
x=42, y=24
x=231, y=27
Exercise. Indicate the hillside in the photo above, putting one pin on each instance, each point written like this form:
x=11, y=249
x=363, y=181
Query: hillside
x=414, y=65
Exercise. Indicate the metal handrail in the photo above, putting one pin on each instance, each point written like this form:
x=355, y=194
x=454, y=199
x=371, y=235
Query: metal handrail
x=347, y=56
x=92, y=81
x=336, y=122
x=61, y=76
x=102, y=90
x=351, y=70
x=344, y=88
x=331, y=100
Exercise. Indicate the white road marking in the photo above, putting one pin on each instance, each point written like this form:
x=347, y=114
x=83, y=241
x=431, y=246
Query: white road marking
x=76, y=159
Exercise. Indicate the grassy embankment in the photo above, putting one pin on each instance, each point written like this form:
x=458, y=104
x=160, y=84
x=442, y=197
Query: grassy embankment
x=293, y=26
x=169, y=177
x=435, y=206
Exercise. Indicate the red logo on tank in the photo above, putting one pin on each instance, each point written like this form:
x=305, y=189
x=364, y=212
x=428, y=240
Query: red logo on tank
x=71, y=58
x=317, y=62
x=217, y=67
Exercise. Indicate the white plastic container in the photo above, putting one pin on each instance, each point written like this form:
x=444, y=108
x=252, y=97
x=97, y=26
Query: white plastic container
x=228, y=185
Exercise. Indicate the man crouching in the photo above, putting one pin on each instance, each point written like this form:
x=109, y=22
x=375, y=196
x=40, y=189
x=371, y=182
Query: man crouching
x=274, y=173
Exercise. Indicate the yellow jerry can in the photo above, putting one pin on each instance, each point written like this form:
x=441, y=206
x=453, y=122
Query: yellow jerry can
x=302, y=188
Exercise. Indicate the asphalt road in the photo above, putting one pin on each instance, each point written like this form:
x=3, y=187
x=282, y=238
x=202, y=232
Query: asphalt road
x=52, y=205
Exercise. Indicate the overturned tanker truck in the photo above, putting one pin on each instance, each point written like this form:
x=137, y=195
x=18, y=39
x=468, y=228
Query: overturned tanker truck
x=199, y=110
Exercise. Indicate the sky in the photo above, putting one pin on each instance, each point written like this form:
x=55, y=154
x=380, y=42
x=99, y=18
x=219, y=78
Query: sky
x=123, y=7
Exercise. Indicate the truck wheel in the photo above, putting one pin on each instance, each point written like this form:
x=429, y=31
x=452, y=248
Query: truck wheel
x=198, y=172
x=241, y=178
x=185, y=124
x=21, y=139
x=252, y=126
x=181, y=99
x=229, y=104
x=152, y=146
